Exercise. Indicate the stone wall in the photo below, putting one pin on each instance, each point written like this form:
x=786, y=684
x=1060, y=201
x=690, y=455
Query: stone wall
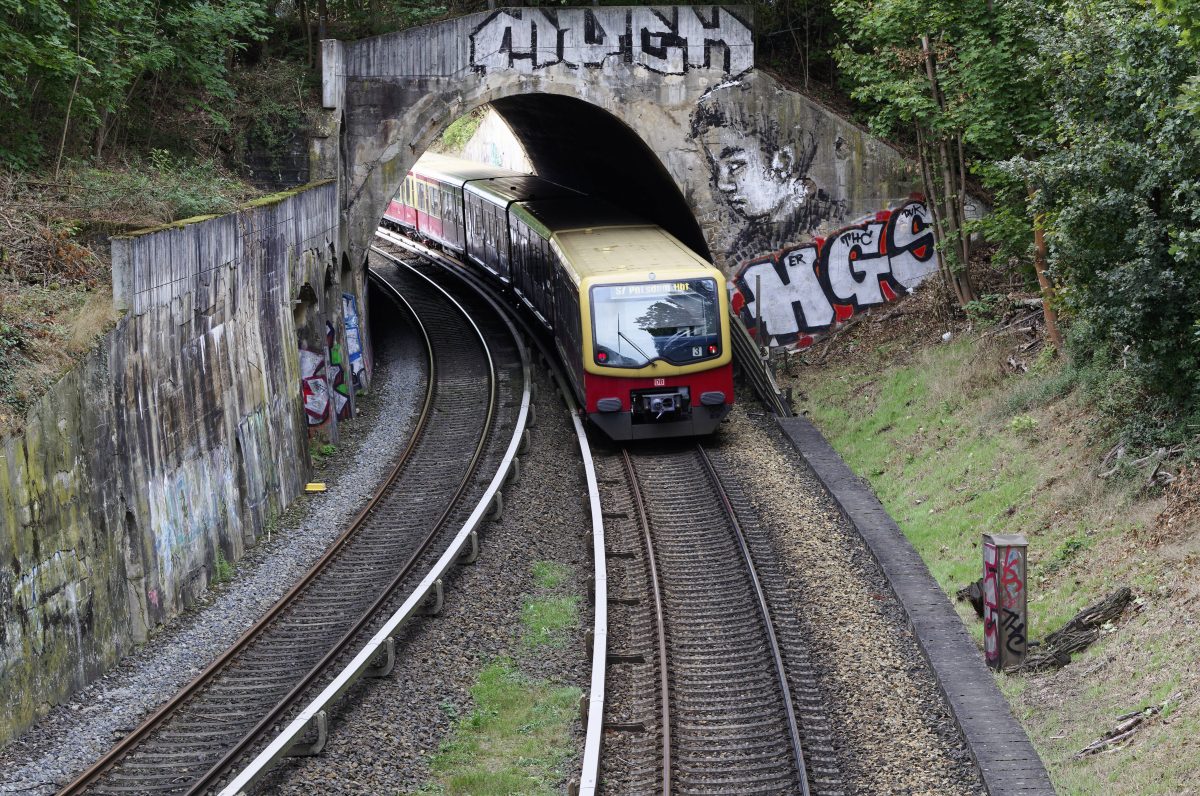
x=171, y=446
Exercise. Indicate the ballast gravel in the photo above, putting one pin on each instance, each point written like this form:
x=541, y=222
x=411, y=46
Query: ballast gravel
x=75, y=734
x=382, y=737
x=894, y=733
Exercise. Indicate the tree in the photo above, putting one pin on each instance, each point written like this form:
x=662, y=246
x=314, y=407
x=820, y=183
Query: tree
x=1119, y=182
x=955, y=76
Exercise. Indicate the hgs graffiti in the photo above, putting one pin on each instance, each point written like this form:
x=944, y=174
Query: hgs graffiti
x=806, y=288
x=667, y=40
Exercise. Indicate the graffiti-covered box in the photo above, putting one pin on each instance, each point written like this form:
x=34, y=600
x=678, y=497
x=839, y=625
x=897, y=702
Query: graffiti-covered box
x=1005, y=600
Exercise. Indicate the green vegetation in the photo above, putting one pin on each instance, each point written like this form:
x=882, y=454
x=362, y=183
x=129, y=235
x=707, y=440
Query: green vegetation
x=321, y=452
x=517, y=733
x=459, y=132
x=547, y=619
x=1077, y=117
x=512, y=741
x=955, y=447
x=550, y=574
x=222, y=569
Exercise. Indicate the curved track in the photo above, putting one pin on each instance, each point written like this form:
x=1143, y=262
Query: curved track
x=706, y=691
x=189, y=743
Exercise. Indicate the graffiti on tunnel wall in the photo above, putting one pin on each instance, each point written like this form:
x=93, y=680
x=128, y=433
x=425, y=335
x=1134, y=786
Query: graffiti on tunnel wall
x=804, y=289
x=789, y=178
x=354, y=351
x=337, y=374
x=761, y=167
x=313, y=387
x=667, y=40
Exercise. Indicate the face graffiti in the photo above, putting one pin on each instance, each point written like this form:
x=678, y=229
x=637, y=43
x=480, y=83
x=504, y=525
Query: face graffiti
x=756, y=183
x=760, y=169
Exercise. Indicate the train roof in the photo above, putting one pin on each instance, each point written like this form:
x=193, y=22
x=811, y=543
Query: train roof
x=457, y=171
x=629, y=254
x=510, y=188
x=576, y=211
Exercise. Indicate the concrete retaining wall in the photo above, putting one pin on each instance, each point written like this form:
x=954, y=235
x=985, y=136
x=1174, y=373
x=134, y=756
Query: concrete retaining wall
x=171, y=445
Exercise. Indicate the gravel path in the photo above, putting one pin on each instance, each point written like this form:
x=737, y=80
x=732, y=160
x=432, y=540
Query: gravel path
x=75, y=734
x=382, y=736
x=893, y=731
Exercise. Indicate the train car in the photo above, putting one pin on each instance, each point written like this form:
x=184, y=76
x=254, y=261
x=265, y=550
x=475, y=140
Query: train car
x=640, y=321
x=430, y=200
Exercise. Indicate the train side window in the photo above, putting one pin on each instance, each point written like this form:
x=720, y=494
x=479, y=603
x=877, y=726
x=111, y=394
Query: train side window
x=421, y=206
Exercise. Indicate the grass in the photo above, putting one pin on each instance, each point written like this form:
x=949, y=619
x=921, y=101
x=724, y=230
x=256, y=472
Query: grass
x=512, y=741
x=222, y=569
x=459, y=132
x=43, y=332
x=550, y=574
x=321, y=453
x=954, y=446
x=517, y=733
x=547, y=619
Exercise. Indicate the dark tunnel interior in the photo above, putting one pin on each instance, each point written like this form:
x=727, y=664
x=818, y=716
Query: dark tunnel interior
x=579, y=145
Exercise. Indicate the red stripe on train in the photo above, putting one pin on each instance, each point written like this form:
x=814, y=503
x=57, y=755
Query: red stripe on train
x=598, y=387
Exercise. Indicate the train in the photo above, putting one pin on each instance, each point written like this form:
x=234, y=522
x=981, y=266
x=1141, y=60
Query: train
x=640, y=321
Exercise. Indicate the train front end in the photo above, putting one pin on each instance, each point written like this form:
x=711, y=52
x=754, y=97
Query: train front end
x=656, y=353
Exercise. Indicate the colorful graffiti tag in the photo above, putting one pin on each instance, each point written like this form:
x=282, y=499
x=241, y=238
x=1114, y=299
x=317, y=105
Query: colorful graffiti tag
x=806, y=288
x=1005, y=639
x=337, y=374
x=354, y=350
x=314, y=388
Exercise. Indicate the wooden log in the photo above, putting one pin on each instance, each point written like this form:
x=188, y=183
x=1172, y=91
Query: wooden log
x=1076, y=635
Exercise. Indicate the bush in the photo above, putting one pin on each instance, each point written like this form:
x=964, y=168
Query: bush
x=160, y=189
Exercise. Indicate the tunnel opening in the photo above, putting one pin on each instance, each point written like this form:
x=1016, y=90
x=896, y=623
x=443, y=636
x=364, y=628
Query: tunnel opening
x=577, y=144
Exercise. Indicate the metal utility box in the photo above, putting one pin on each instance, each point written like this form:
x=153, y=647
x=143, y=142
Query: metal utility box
x=1005, y=604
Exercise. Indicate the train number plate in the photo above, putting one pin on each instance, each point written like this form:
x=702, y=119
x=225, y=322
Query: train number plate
x=660, y=382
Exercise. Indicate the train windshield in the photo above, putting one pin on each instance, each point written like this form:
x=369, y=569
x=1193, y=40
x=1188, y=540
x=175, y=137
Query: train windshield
x=633, y=325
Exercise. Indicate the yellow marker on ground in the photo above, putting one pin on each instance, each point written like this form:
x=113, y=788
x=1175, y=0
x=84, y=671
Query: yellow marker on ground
x=314, y=486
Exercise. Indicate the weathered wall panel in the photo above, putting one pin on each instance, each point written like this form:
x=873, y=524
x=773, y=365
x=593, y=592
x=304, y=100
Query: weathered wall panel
x=173, y=442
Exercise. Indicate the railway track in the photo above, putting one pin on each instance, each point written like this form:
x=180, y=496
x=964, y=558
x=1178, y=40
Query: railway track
x=701, y=680
x=710, y=686
x=472, y=410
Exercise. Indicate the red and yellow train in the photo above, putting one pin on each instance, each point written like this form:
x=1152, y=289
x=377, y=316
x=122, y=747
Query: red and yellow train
x=640, y=321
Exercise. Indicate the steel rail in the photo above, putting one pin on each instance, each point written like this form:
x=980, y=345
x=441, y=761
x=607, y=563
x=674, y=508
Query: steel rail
x=589, y=775
x=89, y=776
x=652, y=569
x=405, y=570
x=780, y=669
x=363, y=661
x=754, y=365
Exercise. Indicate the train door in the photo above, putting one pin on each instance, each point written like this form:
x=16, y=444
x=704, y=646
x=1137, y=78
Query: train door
x=422, y=207
x=474, y=227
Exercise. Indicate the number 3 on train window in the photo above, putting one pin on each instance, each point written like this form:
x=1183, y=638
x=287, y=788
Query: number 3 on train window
x=660, y=382
x=697, y=351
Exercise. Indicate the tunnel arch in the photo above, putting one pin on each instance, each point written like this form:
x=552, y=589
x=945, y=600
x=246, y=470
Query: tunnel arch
x=600, y=148
x=625, y=101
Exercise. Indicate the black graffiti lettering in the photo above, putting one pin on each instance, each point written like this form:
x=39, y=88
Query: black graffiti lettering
x=1014, y=633
x=666, y=40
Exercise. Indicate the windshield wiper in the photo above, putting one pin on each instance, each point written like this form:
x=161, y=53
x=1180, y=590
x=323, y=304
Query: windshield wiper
x=635, y=346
